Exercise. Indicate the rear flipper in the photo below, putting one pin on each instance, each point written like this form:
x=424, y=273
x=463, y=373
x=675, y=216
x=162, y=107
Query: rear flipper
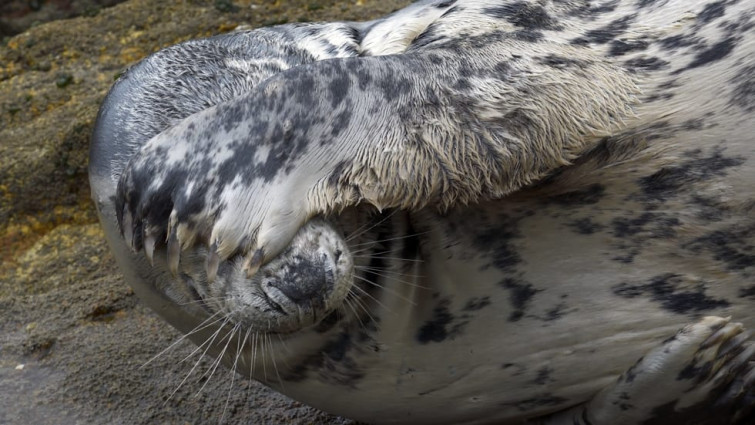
x=705, y=374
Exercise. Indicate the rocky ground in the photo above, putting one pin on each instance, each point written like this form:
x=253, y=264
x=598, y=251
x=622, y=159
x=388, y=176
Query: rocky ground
x=74, y=341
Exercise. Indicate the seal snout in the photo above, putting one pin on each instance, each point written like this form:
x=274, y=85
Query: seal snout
x=306, y=282
x=294, y=290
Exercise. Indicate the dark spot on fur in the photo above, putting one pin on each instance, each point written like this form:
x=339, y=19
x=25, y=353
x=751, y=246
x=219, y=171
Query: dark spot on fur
x=435, y=330
x=496, y=240
x=607, y=33
x=555, y=313
x=393, y=86
x=445, y=4
x=731, y=246
x=678, y=41
x=524, y=15
x=622, y=47
x=539, y=401
x=477, y=303
x=670, y=180
x=693, y=124
x=429, y=36
x=339, y=88
x=339, y=123
x=646, y=64
x=332, y=362
x=709, y=208
x=673, y=294
x=655, y=225
x=646, y=3
x=585, y=226
x=502, y=69
x=743, y=89
x=691, y=372
x=586, y=10
x=435, y=59
x=543, y=376
x=587, y=196
x=714, y=53
x=623, y=402
x=233, y=115
x=711, y=12
x=710, y=410
x=556, y=61
x=604, y=8
x=529, y=36
x=631, y=374
x=748, y=292
x=520, y=295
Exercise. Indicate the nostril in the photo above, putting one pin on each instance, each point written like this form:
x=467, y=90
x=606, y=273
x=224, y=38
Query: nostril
x=276, y=306
x=303, y=283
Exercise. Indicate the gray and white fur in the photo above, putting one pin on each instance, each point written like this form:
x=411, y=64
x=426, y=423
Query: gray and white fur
x=465, y=212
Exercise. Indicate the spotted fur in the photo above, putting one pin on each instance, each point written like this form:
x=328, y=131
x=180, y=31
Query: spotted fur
x=550, y=189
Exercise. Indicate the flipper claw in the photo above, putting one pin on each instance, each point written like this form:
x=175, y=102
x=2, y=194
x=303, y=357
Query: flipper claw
x=149, y=247
x=253, y=263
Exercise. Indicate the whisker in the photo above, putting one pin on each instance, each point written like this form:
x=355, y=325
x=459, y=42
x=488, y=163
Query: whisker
x=368, y=294
x=359, y=230
x=391, y=274
x=248, y=337
x=208, y=341
x=283, y=343
x=219, y=358
x=272, y=357
x=386, y=289
x=361, y=304
x=264, y=357
x=239, y=346
x=350, y=303
x=202, y=301
x=199, y=327
x=198, y=360
x=389, y=239
x=347, y=301
x=255, y=335
x=414, y=260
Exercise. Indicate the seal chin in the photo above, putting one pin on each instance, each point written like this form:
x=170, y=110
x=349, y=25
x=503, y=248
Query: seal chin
x=300, y=287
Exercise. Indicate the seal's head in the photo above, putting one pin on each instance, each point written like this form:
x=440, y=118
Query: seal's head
x=297, y=289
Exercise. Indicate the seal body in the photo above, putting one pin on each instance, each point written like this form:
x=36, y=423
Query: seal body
x=560, y=187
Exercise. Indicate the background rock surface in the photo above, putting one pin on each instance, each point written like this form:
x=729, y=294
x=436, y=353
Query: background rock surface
x=74, y=340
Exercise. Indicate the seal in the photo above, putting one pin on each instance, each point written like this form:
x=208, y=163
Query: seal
x=498, y=206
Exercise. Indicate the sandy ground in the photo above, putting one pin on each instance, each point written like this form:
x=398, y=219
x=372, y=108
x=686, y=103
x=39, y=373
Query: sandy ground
x=75, y=343
x=77, y=350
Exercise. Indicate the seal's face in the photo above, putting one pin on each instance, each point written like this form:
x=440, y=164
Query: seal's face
x=308, y=281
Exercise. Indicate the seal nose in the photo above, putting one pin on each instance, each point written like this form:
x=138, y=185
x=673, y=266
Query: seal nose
x=305, y=282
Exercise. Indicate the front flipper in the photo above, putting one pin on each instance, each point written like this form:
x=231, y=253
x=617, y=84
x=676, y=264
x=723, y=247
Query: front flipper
x=705, y=374
x=455, y=124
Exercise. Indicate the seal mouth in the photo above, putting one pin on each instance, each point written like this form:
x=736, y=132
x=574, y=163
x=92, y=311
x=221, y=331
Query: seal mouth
x=270, y=299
